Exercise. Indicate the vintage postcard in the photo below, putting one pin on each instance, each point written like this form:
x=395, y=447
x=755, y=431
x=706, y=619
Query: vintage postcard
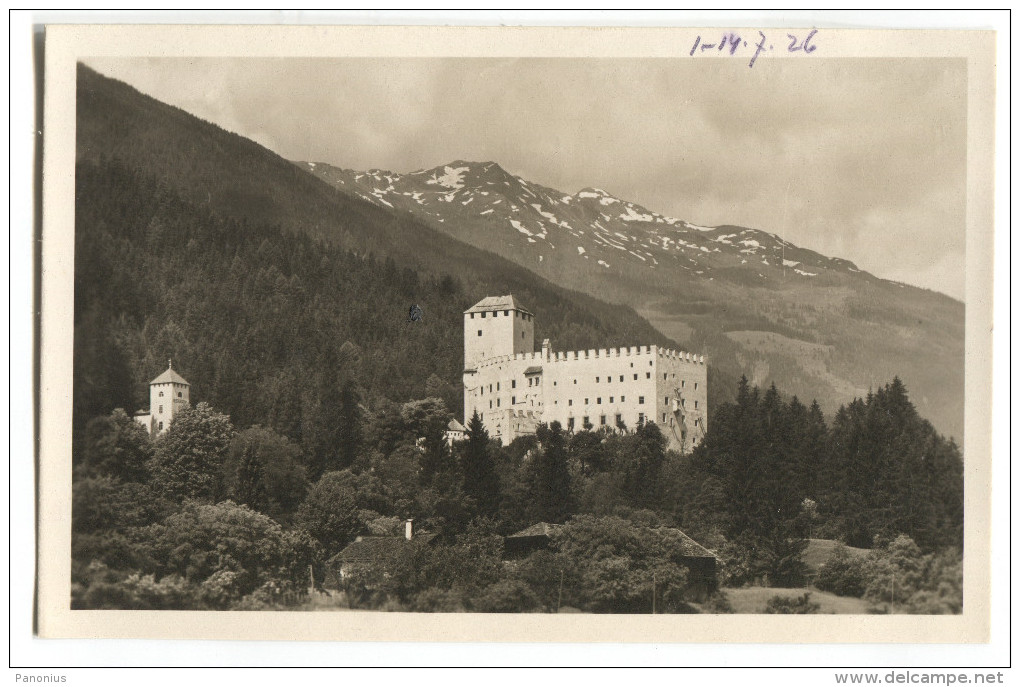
x=516, y=334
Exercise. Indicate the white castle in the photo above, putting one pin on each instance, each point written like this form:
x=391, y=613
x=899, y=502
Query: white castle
x=169, y=393
x=514, y=388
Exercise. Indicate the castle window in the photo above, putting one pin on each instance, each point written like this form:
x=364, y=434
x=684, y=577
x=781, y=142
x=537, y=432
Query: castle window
x=497, y=403
x=610, y=399
x=497, y=386
x=623, y=399
x=490, y=405
x=695, y=405
x=599, y=400
x=586, y=424
x=602, y=420
x=513, y=400
x=632, y=364
x=683, y=383
x=663, y=375
x=621, y=378
x=648, y=375
x=570, y=402
x=483, y=316
x=570, y=424
x=161, y=394
x=695, y=386
x=554, y=383
x=180, y=395
x=161, y=425
x=649, y=363
x=641, y=418
x=619, y=419
x=472, y=316
x=640, y=399
x=575, y=381
x=664, y=418
x=609, y=380
x=597, y=380
x=586, y=401
x=479, y=332
x=495, y=313
x=506, y=313
x=635, y=376
x=513, y=383
x=683, y=402
x=665, y=399
x=490, y=388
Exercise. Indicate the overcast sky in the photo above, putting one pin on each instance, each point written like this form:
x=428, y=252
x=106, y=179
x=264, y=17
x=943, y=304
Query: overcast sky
x=862, y=159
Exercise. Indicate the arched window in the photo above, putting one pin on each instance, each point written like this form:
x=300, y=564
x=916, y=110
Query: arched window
x=180, y=394
x=161, y=394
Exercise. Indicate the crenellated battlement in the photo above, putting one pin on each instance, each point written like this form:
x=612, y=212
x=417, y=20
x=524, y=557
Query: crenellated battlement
x=594, y=354
x=684, y=356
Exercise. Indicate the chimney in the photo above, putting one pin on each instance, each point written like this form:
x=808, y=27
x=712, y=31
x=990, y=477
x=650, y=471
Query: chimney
x=545, y=349
x=409, y=529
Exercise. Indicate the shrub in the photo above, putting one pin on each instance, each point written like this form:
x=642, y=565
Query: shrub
x=506, y=596
x=792, y=605
x=843, y=574
x=437, y=601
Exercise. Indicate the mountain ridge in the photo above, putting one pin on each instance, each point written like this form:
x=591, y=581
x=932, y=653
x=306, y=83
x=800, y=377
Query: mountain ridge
x=845, y=329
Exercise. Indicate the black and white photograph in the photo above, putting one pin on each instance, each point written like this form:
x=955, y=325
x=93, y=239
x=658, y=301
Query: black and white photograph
x=423, y=333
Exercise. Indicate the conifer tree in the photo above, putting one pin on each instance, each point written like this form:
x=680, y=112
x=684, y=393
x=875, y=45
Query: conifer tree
x=480, y=480
x=551, y=500
x=251, y=488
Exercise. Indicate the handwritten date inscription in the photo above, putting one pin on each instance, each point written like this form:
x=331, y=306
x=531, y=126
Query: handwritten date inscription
x=732, y=42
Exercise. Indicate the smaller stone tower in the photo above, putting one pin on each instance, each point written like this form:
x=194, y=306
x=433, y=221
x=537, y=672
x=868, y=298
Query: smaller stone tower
x=169, y=393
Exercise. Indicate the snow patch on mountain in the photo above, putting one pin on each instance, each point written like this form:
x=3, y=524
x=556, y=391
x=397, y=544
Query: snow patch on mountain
x=520, y=227
x=452, y=178
x=632, y=216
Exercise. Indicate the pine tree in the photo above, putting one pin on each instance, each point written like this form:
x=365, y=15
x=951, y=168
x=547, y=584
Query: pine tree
x=550, y=477
x=480, y=480
x=251, y=488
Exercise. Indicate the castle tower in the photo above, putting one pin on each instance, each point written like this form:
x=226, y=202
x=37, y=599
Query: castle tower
x=496, y=326
x=169, y=393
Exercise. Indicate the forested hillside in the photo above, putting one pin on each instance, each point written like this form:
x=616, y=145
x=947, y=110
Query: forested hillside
x=274, y=328
x=199, y=245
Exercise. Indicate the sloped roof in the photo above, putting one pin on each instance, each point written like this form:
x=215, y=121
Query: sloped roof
x=170, y=376
x=490, y=303
x=539, y=529
x=533, y=370
x=688, y=547
x=376, y=549
x=455, y=426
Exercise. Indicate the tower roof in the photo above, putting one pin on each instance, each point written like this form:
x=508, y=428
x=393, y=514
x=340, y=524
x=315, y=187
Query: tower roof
x=169, y=377
x=490, y=303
